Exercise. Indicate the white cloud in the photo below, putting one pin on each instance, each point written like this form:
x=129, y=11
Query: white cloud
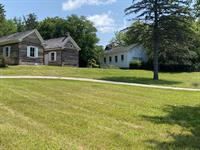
x=103, y=22
x=74, y=4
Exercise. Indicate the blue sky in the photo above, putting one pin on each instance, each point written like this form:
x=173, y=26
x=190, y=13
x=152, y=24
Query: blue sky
x=107, y=15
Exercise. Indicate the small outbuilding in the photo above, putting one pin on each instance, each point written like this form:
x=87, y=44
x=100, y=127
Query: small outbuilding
x=62, y=51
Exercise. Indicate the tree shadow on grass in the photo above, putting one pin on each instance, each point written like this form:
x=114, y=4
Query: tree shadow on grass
x=141, y=80
x=188, y=117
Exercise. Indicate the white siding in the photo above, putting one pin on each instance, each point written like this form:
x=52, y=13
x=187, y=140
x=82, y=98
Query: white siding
x=138, y=52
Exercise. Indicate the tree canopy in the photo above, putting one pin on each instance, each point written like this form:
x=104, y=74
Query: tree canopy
x=161, y=22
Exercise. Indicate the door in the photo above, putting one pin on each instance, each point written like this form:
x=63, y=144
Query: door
x=46, y=59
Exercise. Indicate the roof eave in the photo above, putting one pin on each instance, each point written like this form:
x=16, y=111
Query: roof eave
x=9, y=42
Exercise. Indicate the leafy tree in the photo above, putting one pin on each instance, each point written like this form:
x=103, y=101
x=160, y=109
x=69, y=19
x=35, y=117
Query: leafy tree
x=8, y=27
x=53, y=28
x=84, y=33
x=2, y=13
x=19, y=24
x=30, y=21
x=119, y=38
x=151, y=12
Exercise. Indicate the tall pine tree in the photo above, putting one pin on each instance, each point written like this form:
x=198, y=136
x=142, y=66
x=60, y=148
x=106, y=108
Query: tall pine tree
x=151, y=12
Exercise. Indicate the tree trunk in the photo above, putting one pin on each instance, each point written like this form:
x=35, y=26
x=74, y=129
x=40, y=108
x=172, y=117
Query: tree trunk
x=155, y=43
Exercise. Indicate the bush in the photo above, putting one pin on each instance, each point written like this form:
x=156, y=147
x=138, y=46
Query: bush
x=135, y=64
x=3, y=62
x=93, y=64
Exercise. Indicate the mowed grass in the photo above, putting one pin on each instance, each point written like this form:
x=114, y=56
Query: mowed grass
x=53, y=114
x=191, y=80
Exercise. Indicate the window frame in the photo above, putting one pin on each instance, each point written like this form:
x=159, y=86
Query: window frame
x=36, y=51
x=5, y=51
x=50, y=56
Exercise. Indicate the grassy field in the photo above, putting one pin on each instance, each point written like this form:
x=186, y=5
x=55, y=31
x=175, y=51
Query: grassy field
x=134, y=76
x=52, y=114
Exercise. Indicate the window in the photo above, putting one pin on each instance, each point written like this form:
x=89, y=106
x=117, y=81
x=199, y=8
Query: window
x=105, y=60
x=122, y=57
x=32, y=51
x=6, y=51
x=110, y=59
x=116, y=59
x=52, y=56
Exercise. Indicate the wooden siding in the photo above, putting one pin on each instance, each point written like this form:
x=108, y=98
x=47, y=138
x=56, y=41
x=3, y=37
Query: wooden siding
x=66, y=57
x=14, y=54
x=70, y=57
x=58, y=58
x=31, y=40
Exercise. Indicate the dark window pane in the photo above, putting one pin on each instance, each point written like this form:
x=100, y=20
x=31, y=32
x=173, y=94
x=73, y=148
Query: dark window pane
x=116, y=59
x=110, y=59
x=122, y=57
x=32, y=52
x=104, y=60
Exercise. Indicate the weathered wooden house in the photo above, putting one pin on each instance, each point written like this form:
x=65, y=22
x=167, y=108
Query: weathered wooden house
x=62, y=51
x=29, y=48
x=25, y=48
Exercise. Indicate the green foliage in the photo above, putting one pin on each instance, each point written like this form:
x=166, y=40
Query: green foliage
x=135, y=64
x=119, y=38
x=2, y=13
x=8, y=27
x=30, y=21
x=53, y=28
x=19, y=24
x=152, y=12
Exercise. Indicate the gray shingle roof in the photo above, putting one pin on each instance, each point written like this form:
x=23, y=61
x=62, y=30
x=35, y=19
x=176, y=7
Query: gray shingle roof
x=18, y=37
x=55, y=43
x=120, y=49
x=60, y=43
x=14, y=37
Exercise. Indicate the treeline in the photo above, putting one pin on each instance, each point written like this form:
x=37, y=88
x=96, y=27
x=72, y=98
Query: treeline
x=81, y=29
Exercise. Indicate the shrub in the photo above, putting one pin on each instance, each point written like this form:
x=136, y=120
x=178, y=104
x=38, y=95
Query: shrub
x=93, y=64
x=135, y=64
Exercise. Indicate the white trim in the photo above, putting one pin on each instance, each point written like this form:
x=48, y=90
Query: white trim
x=55, y=56
x=36, y=51
x=4, y=51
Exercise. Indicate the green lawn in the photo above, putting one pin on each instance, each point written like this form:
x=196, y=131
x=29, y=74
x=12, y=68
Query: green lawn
x=53, y=114
x=134, y=76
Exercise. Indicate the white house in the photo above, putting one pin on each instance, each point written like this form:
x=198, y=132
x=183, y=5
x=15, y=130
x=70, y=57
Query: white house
x=122, y=56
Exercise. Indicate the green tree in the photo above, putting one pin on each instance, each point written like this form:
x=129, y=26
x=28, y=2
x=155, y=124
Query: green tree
x=8, y=27
x=19, y=24
x=84, y=33
x=53, y=28
x=2, y=13
x=30, y=21
x=151, y=12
